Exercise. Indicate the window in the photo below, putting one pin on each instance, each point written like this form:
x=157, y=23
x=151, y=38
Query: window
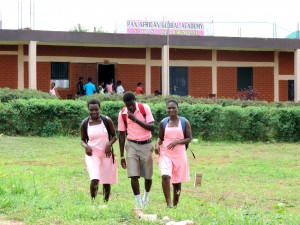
x=244, y=77
x=60, y=74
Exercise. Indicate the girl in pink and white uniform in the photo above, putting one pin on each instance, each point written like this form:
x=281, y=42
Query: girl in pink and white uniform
x=98, y=151
x=172, y=159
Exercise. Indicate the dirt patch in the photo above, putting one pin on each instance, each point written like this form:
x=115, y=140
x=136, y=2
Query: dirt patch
x=11, y=222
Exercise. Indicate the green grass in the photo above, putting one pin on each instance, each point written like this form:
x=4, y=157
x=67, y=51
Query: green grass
x=44, y=181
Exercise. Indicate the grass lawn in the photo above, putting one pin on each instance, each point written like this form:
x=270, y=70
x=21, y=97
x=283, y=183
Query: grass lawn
x=44, y=181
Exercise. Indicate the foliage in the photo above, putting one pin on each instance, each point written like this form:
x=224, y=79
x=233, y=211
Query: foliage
x=44, y=181
x=79, y=28
x=7, y=94
x=249, y=93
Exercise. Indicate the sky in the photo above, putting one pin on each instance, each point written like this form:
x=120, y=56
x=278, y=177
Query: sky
x=253, y=18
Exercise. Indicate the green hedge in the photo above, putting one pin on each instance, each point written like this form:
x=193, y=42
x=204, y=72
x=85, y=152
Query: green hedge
x=49, y=117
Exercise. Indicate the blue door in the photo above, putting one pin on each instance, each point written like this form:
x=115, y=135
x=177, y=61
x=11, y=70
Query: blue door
x=179, y=81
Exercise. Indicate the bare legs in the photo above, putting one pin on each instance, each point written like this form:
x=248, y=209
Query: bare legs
x=136, y=190
x=94, y=190
x=166, y=189
x=136, y=186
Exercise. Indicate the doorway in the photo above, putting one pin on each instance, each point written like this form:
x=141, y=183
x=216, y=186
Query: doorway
x=179, y=81
x=291, y=90
x=106, y=73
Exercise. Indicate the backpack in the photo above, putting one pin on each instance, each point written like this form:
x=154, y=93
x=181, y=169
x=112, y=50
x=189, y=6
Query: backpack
x=141, y=108
x=183, y=126
x=105, y=121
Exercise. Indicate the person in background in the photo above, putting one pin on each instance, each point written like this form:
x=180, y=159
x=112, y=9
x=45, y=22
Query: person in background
x=101, y=88
x=120, y=90
x=157, y=93
x=171, y=148
x=139, y=89
x=138, y=126
x=89, y=87
x=109, y=88
x=53, y=90
x=80, y=87
x=101, y=163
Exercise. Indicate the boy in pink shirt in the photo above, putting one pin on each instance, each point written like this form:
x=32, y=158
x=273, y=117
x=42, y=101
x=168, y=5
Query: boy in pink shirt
x=139, y=124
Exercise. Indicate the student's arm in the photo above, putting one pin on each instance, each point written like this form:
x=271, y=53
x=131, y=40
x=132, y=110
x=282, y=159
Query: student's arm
x=122, y=136
x=113, y=139
x=87, y=148
x=159, y=139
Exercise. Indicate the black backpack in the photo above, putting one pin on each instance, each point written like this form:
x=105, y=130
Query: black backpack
x=105, y=121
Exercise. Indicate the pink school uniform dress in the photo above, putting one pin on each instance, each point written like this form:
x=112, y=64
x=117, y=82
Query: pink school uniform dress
x=98, y=165
x=174, y=163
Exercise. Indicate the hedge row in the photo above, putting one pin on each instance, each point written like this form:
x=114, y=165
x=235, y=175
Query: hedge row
x=7, y=94
x=48, y=117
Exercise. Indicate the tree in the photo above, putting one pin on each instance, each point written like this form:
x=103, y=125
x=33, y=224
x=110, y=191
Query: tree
x=79, y=28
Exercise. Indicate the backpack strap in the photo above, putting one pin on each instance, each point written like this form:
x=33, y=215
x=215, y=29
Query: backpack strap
x=164, y=124
x=85, y=125
x=142, y=111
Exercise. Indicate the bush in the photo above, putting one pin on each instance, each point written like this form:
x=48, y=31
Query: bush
x=7, y=94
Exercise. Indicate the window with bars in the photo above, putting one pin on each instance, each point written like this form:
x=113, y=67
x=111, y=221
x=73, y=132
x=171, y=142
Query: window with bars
x=244, y=78
x=60, y=74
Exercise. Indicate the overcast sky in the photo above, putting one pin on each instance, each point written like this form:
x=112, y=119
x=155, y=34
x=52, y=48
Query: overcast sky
x=63, y=15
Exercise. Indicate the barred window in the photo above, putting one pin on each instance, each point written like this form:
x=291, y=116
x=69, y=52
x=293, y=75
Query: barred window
x=60, y=74
x=244, y=77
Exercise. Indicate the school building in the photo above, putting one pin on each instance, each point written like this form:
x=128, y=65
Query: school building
x=198, y=66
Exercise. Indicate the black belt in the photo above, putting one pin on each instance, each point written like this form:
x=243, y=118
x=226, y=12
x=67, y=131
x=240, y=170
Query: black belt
x=141, y=142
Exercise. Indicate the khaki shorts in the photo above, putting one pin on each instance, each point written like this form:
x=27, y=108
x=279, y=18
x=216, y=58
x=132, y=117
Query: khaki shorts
x=139, y=159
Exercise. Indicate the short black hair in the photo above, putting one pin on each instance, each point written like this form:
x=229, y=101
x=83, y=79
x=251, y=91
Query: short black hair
x=80, y=78
x=139, y=83
x=172, y=100
x=128, y=96
x=90, y=79
x=92, y=102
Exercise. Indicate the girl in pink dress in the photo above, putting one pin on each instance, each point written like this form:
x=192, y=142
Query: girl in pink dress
x=170, y=147
x=98, y=151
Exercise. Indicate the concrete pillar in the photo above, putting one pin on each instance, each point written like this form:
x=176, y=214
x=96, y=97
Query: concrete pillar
x=148, y=71
x=32, y=65
x=297, y=74
x=20, y=67
x=214, y=73
x=276, y=77
x=165, y=70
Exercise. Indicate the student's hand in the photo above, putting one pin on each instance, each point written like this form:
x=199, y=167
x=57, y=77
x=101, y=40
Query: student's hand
x=123, y=163
x=131, y=116
x=172, y=145
x=88, y=150
x=108, y=150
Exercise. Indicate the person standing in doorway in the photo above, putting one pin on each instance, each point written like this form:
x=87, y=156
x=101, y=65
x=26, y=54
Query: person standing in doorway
x=136, y=121
x=139, y=89
x=97, y=137
x=120, y=90
x=101, y=88
x=109, y=88
x=89, y=87
x=171, y=148
x=80, y=87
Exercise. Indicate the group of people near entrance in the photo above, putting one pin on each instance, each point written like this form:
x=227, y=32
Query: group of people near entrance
x=109, y=88
x=135, y=126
